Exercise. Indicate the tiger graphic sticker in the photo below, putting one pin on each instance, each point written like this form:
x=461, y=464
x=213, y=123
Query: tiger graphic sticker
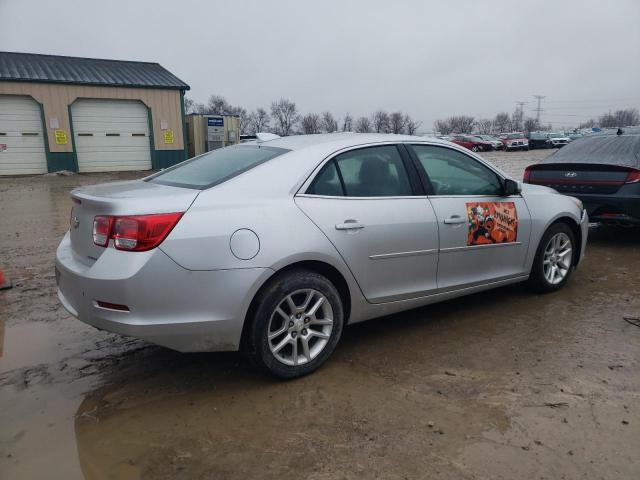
x=492, y=222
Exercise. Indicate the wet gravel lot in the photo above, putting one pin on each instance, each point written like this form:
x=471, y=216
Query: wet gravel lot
x=502, y=384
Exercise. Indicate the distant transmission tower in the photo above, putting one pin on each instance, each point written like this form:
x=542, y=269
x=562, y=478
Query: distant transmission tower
x=538, y=108
x=520, y=108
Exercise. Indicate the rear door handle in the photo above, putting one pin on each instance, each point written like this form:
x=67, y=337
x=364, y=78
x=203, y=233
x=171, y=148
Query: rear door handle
x=349, y=225
x=454, y=219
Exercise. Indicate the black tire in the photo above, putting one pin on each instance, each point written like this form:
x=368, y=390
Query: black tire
x=266, y=303
x=538, y=282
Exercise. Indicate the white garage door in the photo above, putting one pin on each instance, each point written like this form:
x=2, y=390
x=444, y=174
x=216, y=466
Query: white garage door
x=111, y=135
x=21, y=137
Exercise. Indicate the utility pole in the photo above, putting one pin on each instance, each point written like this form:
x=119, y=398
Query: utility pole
x=520, y=108
x=538, y=109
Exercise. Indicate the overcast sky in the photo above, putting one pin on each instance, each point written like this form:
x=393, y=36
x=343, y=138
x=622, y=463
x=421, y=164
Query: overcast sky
x=430, y=59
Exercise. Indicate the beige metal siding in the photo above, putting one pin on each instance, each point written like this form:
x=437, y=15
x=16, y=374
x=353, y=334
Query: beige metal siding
x=56, y=99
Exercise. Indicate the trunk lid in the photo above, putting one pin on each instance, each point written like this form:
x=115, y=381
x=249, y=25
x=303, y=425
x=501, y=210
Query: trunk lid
x=135, y=197
x=575, y=178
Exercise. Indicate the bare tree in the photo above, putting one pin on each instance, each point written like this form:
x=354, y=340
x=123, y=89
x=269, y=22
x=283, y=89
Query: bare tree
x=191, y=106
x=531, y=124
x=396, y=122
x=461, y=123
x=363, y=125
x=218, y=105
x=588, y=124
x=484, y=126
x=329, y=123
x=285, y=114
x=411, y=125
x=381, y=121
x=502, y=122
x=260, y=121
x=311, y=123
x=620, y=118
x=443, y=127
x=347, y=123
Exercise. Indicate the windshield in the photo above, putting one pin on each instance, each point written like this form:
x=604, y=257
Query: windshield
x=514, y=135
x=556, y=134
x=215, y=167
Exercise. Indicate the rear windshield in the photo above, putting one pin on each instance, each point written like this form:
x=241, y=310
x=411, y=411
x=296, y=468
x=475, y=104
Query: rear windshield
x=215, y=167
x=608, y=149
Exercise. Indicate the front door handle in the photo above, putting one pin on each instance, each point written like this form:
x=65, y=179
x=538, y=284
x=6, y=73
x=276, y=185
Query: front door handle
x=349, y=225
x=455, y=219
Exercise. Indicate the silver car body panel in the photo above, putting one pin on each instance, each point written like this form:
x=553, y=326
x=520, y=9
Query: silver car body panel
x=192, y=293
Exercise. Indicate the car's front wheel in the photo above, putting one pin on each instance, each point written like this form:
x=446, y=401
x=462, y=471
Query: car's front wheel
x=296, y=323
x=554, y=261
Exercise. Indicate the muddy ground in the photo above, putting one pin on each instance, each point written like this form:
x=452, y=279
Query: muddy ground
x=503, y=384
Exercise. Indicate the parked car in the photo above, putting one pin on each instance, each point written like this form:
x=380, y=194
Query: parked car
x=539, y=140
x=558, y=139
x=273, y=247
x=515, y=141
x=496, y=143
x=473, y=143
x=602, y=170
x=574, y=135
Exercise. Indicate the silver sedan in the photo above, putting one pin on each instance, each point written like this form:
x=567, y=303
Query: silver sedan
x=272, y=247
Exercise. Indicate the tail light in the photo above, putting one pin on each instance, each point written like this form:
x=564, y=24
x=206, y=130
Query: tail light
x=633, y=176
x=134, y=233
x=101, y=230
x=527, y=175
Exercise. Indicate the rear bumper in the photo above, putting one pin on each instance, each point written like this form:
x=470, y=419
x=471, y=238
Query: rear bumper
x=168, y=305
x=612, y=208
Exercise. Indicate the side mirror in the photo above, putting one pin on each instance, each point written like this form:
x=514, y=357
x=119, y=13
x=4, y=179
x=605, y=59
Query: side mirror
x=511, y=187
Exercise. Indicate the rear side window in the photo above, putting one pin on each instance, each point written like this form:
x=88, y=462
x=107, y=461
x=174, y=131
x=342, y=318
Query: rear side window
x=327, y=182
x=216, y=167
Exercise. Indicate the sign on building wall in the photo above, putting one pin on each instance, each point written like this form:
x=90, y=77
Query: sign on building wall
x=168, y=136
x=61, y=137
x=215, y=129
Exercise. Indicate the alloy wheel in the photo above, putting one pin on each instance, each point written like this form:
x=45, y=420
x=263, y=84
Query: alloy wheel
x=557, y=258
x=300, y=327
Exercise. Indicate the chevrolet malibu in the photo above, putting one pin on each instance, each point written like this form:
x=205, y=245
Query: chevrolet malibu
x=272, y=247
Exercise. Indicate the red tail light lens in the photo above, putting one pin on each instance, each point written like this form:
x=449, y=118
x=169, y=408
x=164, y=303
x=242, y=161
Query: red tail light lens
x=633, y=176
x=137, y=233
x=101, y=230
x=527, y=175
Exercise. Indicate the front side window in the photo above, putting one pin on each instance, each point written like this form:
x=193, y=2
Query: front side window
x=216, y=167
x=454, y=173
x=366, y=172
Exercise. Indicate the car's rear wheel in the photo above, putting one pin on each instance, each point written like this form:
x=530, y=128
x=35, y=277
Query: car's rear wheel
x=475, y=148
x=554, y=261
x=296, y=324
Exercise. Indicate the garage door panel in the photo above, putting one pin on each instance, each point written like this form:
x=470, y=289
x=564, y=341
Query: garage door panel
x=104, y=135
x=21, y=132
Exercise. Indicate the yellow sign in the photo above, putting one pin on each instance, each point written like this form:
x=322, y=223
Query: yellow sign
x=168, y=136
x=61, y=137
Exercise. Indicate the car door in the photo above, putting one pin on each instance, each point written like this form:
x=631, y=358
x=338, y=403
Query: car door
x=484, y=235
x=368, y=203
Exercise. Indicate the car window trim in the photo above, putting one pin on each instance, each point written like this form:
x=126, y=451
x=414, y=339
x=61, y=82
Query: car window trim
x=425, y=176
